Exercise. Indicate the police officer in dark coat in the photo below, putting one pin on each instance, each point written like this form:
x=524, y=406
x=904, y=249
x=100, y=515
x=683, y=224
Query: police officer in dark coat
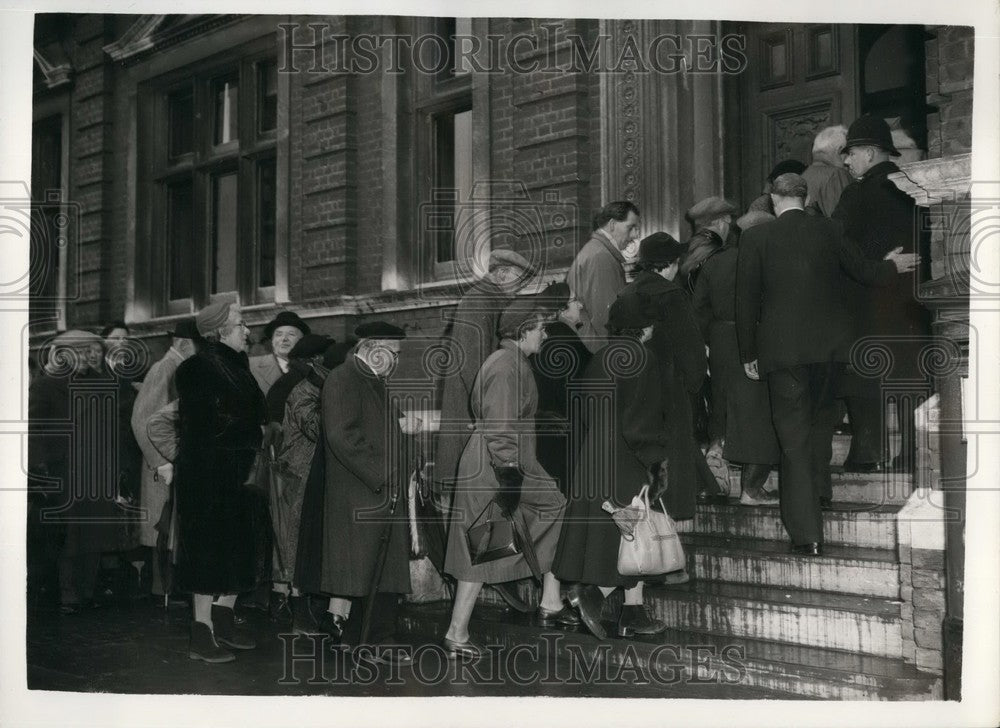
x=221, y=414
x=793, y=329
x=680, y=351
x=749, y=435
x=367, y=456
x=879, y=217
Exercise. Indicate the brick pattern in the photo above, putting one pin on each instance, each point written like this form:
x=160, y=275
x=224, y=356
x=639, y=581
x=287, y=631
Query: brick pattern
x=949, y=61
x=91, y=178
x=922, y=589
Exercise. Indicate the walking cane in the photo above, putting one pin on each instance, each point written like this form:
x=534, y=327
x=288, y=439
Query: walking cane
x=383, y=552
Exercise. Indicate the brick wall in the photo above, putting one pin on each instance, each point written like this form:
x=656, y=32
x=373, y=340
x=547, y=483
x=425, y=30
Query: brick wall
x=949, y=59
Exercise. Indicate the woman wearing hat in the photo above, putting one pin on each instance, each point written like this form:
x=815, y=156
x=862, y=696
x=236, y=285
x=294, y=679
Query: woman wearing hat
x=680, y=352
x=629, y=440
x=558, y=363
x=283, y=332
x=499, y=464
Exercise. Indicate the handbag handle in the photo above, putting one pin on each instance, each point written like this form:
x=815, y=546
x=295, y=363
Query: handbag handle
x=644, y=497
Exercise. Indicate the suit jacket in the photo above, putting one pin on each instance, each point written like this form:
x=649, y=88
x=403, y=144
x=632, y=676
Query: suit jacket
x=790, y=307
x=265, y=370
x=595, y=277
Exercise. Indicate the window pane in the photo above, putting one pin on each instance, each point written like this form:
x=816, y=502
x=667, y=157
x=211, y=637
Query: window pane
x=224, y=237
x=180, y=238
x=267, y=104
x=180, y=111
x=266, y=201
x=454, y=173
x=226, y=108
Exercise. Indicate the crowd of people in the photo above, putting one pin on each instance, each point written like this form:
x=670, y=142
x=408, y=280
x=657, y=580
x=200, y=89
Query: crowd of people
x=294, y=469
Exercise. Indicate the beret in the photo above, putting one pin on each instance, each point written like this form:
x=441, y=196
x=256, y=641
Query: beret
x=185, y=329
x=309, y=345
x=753, y=217
x=213, y=316
x=786, y=166
x=631, y=311
x=77, y=337
x=505, y=256
x=554, y=297
x=518, y=312
x=710, y=208
x=285, y=318
x=379, y=330
x=660, y=249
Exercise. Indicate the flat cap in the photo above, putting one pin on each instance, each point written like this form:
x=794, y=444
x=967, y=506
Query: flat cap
x=309, y=345
x=553, y=297
x=212, y=317
x=660, y=249
x=631, y=311
x=709, y=209
x=285, y=318
x=753, y=217
x=77, y=337
x=379, y=330
x=519, y=312
x=505, y=256
x=186, y=329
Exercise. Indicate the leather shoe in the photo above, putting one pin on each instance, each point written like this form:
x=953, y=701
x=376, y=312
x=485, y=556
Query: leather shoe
x=227, y=632
x=635, y=619
x=588, y=600
x=564, y=617
x=807, y=549
x=383, y=655
x=764, y=498
x=461, y=650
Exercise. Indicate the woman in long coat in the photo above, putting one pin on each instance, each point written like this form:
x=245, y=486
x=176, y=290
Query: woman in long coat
x=623, y=449
x=221, y=415
x=500, y=463
x=680, y=351
x=749, y=433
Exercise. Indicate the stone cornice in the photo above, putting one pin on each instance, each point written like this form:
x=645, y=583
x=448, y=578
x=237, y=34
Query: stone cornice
x=933, y=181
x=55, y=68
x=157, y=32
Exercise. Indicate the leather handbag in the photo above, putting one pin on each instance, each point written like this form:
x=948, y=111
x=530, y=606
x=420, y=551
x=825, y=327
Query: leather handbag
x=261, y=477
x=654, y=546
x=492, y=536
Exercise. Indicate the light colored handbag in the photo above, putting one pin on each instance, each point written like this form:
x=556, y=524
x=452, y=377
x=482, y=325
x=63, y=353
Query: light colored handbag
x=654, y=546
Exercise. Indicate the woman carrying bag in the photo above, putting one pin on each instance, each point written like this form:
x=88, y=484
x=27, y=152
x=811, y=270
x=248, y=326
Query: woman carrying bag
x=501, y=483
x=623, y=448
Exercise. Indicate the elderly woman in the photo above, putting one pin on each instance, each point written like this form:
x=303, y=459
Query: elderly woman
x=630, y=441
x=499, y=464
x=221, y=413
x=282, y=333
x=749, y=438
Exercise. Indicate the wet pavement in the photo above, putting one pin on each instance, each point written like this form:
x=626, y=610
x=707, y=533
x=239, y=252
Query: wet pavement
x=140, y=647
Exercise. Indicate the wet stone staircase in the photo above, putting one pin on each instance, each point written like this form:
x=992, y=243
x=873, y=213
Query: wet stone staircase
x=755, y=615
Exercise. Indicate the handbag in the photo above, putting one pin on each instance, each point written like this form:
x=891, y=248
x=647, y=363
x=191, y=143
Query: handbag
x=491, y=536
x=261, y=477
x=654, y=546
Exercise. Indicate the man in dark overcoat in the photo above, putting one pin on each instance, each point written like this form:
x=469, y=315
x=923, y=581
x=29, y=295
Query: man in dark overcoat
x=793, y=329
x=367, y=452
x=221, y=413
x=471, y=337
x=879, y=217
x=749, y=437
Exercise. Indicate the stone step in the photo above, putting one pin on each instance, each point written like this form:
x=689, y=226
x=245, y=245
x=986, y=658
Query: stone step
x=844, y=569
x=868, y=625
x=675, y=658
x=872, y=488
x=867, y=526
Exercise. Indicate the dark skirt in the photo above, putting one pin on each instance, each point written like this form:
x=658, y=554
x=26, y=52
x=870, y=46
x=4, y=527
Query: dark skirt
x=308, y=573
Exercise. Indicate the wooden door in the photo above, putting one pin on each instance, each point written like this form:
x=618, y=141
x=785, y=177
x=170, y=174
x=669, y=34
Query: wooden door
x=799, y=78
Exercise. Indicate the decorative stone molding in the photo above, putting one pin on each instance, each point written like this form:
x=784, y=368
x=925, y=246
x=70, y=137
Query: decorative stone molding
x=933, y=181
x=54, y=65
x=162, y=31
